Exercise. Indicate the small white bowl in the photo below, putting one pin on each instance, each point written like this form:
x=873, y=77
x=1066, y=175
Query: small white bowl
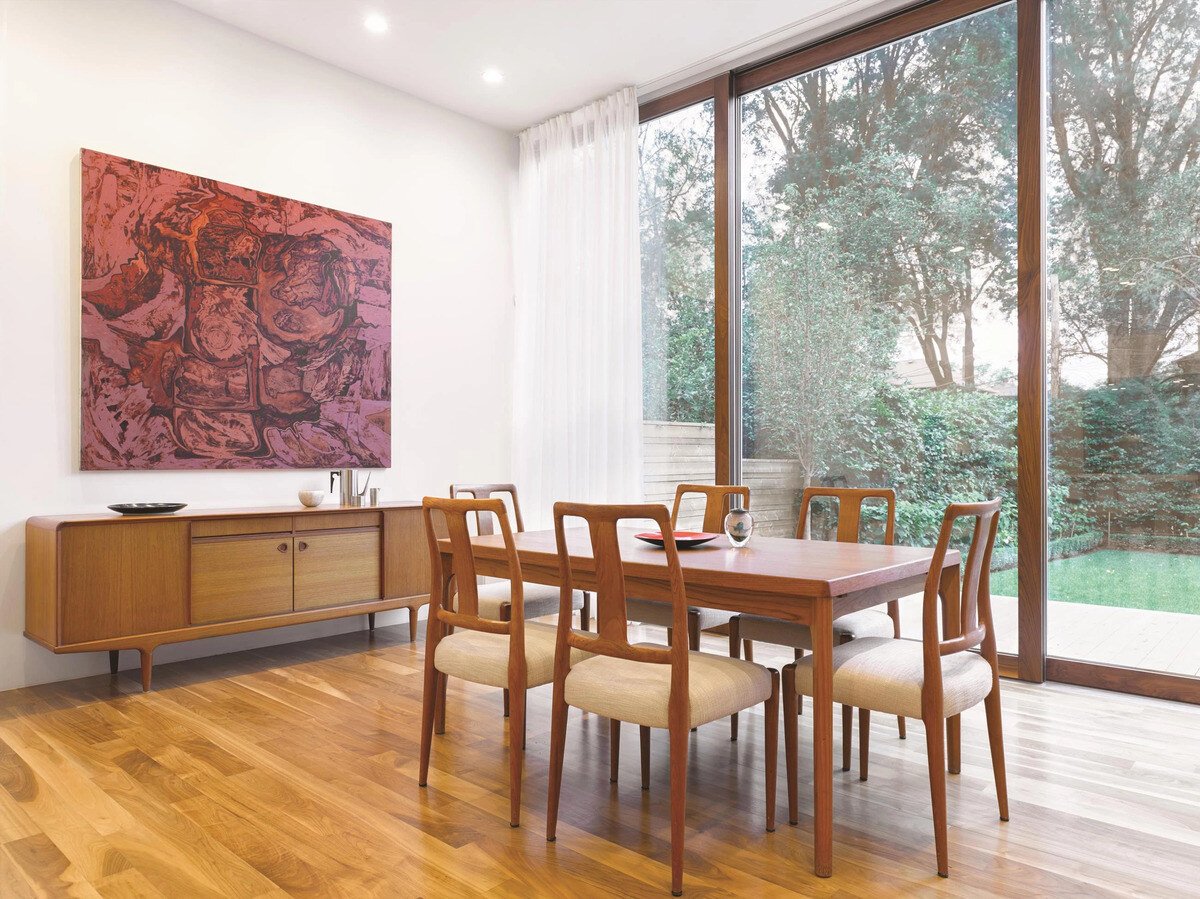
x=312, y=498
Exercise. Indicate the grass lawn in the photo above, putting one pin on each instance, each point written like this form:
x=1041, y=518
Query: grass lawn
x=1111, y=577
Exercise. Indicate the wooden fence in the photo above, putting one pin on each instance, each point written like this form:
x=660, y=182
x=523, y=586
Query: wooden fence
x=684, y=453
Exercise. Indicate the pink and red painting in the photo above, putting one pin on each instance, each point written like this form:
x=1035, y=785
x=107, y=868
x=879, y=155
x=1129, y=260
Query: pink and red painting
x=229, y=328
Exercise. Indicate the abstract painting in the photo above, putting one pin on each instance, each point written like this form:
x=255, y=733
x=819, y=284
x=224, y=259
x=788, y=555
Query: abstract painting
x=229, y=328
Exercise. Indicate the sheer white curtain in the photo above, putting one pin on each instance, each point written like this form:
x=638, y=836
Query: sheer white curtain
x=577, y=386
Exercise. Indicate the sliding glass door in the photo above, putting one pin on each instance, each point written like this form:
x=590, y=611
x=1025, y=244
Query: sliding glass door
x=879, y=335
x=1124, y=333
x=954, y=251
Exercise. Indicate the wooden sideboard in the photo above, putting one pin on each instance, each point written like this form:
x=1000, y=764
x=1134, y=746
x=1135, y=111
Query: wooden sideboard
x=113, y=582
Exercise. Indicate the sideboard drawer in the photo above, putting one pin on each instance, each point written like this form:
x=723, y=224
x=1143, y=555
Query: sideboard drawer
x=241, y=578
x=232, y=527
x=331, y=520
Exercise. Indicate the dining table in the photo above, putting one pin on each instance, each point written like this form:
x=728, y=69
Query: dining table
x=812, y=582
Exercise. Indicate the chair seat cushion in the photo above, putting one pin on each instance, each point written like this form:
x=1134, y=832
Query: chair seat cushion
x=540, y=600
x=638, y=692
x=855, y=626
x=887, y=675
x=483, y=658
x=647, y=611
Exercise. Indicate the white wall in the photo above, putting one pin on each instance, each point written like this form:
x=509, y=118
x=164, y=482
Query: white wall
x=153, y=81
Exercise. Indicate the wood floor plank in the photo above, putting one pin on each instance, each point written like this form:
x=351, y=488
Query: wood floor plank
x=291, y=771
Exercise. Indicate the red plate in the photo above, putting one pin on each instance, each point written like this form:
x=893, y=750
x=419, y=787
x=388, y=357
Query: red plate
x=683, y=539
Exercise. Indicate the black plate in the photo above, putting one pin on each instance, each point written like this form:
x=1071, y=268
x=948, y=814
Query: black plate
x=147, y=508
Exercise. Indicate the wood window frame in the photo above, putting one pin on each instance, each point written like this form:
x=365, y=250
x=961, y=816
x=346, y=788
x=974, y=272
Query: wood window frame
x=1032, y=662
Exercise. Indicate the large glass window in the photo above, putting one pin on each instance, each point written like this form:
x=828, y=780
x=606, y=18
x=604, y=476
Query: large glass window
x=678, y=342
x=1123, y=338
x=879, y=261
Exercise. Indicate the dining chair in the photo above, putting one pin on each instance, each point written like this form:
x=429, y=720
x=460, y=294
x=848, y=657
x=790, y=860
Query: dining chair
x=716, y=500
x=645, y=684
x=540, y=599
x=856, y=625
x=512, y=654
x=934, y=678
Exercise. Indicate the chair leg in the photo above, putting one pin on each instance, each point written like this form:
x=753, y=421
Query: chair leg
x=428, y=705
x=412, y=624
x=748, y=650
x=439, y=725
x=516, y=753
x=679, y=749
x=558, y=741
x=864, y=741
x=614, y=749
x=670, y=635
x=771, y=736
x=506, y=615
x=693, y=630
x=735, y=642
x=996, y=742
x=507, y=703
x=954, y=744
x=901, y=728
x=585, y=614
x=935, y=741
x=790, y=739
x=644, y=734
x=798, y=654
x=847, y=735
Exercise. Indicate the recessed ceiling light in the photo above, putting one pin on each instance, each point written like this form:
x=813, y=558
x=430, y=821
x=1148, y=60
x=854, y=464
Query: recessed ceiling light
x=375, y=23
x=492, y=75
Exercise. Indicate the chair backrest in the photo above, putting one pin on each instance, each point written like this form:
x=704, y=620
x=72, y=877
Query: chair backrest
x=612, y=633
x=850, y=504
x=465, y=614
x=483, y=523
x=970, y=587
x=717, y=499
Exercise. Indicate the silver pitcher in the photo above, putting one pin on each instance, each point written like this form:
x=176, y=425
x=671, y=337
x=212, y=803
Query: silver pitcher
x=351, y=494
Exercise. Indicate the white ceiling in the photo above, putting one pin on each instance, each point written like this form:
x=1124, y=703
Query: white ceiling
x=555, y=54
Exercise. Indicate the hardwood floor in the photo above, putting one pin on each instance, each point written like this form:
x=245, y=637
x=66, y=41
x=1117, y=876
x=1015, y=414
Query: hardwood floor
x=292, y=770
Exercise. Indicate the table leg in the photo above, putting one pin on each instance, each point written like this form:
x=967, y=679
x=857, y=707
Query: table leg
x=822, y=697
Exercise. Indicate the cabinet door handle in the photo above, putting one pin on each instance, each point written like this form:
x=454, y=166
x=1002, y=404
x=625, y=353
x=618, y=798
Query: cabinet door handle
x=282, y=547
x=302, y=546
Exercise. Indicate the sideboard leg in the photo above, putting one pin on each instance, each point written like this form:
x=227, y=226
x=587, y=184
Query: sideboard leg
x=147, y=663
x=114, y=660
x=412, y=624
x=371, y=620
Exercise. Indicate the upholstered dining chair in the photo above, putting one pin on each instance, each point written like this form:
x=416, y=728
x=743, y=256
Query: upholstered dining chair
x=865, y=623
x=645, y=684
x=933, y=679
x=540, y=599
x=512, y=654
x=716, y=502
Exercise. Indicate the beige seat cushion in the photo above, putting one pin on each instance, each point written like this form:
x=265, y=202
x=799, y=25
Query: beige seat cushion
x=855, y=626
x=638, y=692
x=540, y=600
x=647, y=611
x=483, y=658
x=887, y=675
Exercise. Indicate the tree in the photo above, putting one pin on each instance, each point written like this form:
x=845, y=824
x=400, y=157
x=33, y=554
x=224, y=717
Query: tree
x=907, y=154
x=1125, y=120
x=820, y=354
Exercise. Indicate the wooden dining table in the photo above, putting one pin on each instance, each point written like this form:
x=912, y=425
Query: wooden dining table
x=808, y=581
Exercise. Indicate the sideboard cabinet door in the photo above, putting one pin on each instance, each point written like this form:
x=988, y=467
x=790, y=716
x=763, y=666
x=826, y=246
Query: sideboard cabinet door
x=241, y=577
x=333, y=569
